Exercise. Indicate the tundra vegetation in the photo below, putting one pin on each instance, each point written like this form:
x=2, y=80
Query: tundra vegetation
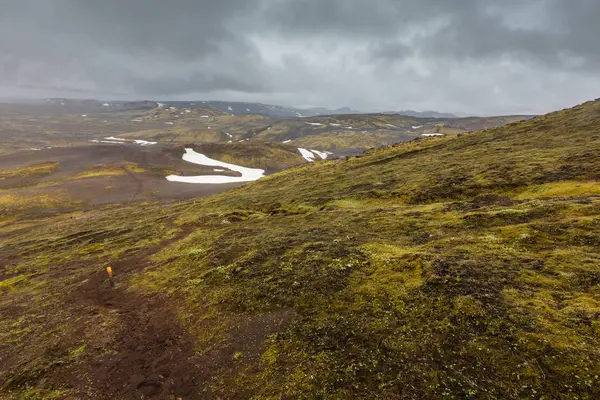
x=454, y=267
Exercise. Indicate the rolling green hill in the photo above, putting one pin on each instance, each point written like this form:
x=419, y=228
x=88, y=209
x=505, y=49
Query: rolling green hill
x=457, y=267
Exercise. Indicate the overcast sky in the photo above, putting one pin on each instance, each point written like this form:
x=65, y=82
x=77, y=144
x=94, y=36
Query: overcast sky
x=473, y=56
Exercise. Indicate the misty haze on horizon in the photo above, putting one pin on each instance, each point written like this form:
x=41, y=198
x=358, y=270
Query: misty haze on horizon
x=468, y=57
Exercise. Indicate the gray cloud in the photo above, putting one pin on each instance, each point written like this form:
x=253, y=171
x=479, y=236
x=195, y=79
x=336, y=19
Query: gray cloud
x=478, y=56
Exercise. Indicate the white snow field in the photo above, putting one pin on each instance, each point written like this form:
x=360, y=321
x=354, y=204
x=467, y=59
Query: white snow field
x=248, y=174
x=307, y=154
x=432, y=134
x=310, y=155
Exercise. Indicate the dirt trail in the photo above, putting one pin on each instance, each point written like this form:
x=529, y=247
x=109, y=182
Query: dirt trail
x=152, y=356
x=135, y=346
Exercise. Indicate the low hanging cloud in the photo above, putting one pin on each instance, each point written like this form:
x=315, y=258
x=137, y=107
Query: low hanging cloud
x=474, y=56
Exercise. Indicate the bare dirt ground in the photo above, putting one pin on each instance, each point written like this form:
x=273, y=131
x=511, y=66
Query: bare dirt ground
x=150, y=184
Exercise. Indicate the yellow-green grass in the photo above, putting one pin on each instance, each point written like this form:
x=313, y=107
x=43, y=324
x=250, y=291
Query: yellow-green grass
x=36, y=170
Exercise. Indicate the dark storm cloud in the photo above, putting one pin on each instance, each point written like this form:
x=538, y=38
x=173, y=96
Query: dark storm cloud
x=482, y=56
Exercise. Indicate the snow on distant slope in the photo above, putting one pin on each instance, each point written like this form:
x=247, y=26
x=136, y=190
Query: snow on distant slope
x=311, y=155
x=307, y=154
x=248, y=174
x=314, y=123
x=144, y=142
x=417, y=127
x=112, y=139
x=321, y=154
x=105, y=141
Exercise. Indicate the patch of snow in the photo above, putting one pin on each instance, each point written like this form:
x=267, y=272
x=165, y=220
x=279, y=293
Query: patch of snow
x=209, y=127
x=307, y=154
x=314, y=123
x=391, y=126
x=247, y=109
x=230, y=141
x=417, y=127
x=218, y=170
x=188, y=111
x=84, y=115
x=205, y=116
x=160, y=104
x=287, y=141
x=228, y=134
x=335, y=124
x=299, y=115
x=269, y=128
x=248, y=174
x=105, y=105
x=106, y=141
x=134, y=120
x=33, y=148
x=173, y=108
x=229, y=108
x=169, y=123
x=144, y=142
x=432, y=134
x=321, y=154
x=62, y=104
x=115, y=138
x=349, y=127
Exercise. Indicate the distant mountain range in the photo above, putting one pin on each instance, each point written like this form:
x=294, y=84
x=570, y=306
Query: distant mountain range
x=423, y=114
x=239, y=108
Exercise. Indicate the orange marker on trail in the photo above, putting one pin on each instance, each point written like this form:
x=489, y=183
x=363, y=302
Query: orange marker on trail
x=110, y=276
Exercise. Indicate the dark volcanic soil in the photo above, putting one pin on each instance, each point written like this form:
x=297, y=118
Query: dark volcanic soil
x=127, y=187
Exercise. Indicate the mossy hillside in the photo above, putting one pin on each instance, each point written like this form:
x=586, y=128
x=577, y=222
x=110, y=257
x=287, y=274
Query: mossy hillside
x=351, y=140
x=393, y=283
x=428, y=296
x=36, y=170
x=178, y=134
x=399, y=299
x=270, y=156
x=562, y=146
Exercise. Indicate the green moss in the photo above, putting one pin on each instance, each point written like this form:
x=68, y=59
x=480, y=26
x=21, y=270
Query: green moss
x=400, y=274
